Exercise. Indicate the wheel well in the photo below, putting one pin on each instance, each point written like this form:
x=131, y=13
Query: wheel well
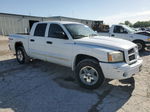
x=80, y=57
x=18, y=44
x=138, y=41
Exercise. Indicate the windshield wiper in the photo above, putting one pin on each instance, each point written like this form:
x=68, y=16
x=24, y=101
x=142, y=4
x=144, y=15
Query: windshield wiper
x=91, y=35
x=79, y=36
x=82, y=36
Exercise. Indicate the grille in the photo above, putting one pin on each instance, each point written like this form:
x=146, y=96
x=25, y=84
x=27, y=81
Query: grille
x=131, y=51
x=132, y=55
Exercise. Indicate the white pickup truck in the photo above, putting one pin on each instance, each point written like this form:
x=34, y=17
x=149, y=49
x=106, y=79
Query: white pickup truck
x=92, y=58
x=142, y=39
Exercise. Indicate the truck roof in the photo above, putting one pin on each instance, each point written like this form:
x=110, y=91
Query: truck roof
x=60, y=22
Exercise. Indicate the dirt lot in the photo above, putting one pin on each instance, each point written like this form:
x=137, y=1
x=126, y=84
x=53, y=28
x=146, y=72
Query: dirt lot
x=45, y=87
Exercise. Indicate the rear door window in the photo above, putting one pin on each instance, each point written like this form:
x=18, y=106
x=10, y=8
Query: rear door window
x=40, y=30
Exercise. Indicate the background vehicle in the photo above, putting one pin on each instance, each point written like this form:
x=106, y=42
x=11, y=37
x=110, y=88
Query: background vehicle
x=92, y=58
x=125, y=32
x=99, y=27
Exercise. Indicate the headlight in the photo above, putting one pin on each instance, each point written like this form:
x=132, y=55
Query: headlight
x=148, y=39
x=115, y=56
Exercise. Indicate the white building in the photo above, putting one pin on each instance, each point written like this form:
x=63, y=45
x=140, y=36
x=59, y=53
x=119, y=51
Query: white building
x=13, y=23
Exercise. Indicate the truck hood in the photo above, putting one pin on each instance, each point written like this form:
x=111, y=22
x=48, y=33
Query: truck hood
x=145, y=33
x=106, y=42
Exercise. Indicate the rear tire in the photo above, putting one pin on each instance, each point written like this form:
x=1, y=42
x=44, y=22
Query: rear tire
x=89, y=74
x=21, y=55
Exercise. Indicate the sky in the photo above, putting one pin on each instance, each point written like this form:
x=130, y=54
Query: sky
x=110, y=11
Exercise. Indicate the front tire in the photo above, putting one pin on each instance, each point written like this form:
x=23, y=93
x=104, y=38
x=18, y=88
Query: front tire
x=89, y=74
x=21, y=55
x=141, y=45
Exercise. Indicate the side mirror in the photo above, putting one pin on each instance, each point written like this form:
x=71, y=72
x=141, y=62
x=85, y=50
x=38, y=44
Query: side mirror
x=61, y=35
x=125, y=32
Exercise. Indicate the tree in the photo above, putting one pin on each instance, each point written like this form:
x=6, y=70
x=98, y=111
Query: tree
x=121, y=23
x=142, y=24
x=128, y=23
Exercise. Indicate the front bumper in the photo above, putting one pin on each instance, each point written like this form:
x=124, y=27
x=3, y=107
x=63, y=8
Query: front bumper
x=147, y=44
x=120, y=70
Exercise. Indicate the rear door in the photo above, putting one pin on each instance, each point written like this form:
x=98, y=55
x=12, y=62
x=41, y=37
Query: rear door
x=37, y=42
x=58, y=45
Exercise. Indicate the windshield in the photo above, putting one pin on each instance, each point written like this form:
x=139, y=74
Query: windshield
x=129, y=29
x=78, y=31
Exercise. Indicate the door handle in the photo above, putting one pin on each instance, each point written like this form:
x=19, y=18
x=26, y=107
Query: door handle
x=112, y=35
x=49, y=42
x=32, y=40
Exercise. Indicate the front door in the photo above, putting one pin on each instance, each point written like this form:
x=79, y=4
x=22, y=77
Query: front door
x=58, y=45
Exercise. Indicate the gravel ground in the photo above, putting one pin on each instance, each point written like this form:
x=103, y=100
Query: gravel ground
x=45, y=87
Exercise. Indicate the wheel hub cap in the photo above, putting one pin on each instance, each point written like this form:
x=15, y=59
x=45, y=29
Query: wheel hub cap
x=20, y=55
x=139, y=46
x=88, y=75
